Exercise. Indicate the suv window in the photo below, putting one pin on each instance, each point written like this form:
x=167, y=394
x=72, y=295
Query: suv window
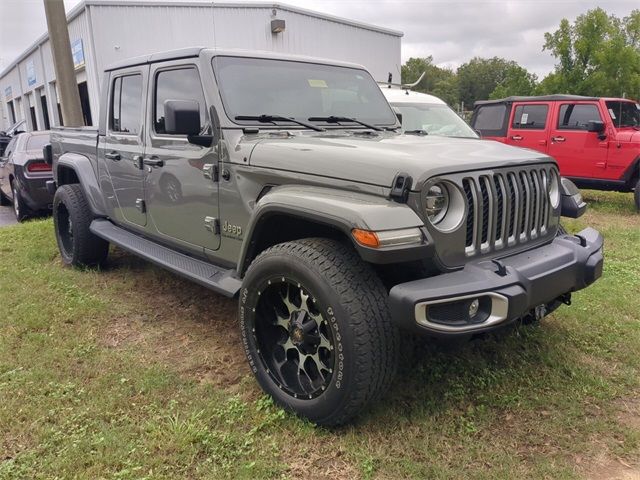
x=490, y=117
x=533, y=117
x=577, y=116
x=12, y=145
x=177, y=84
x=126, y=104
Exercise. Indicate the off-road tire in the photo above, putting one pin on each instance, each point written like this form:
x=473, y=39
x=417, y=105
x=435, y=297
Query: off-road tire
x=20, y=208
x=353, y=302
x=636, y=195
x=78, y=246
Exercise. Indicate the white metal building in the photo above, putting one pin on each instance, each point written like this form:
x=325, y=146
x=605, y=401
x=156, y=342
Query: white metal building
x=105, y=31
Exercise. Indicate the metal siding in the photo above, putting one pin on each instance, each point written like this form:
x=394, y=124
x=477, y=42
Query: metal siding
x=111, y=33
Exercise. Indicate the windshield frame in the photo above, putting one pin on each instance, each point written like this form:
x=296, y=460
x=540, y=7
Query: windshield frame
x=282, y=124
x=442, y=106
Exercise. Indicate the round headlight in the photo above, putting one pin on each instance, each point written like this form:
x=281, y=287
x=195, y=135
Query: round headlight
x=436, y=202
x=554, y=189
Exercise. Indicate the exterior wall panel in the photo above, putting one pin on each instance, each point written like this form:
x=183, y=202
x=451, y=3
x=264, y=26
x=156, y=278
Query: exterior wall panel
x=112, y=31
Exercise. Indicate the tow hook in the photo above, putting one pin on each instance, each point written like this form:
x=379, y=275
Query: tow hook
x=540, y=311
x=566, y=299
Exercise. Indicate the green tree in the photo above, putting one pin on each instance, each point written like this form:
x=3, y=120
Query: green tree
x=517, y=81
x=598, y=55
x=481, y=78
x=441, y=82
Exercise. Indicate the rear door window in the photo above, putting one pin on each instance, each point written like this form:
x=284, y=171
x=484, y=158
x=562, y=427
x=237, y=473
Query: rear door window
x=577, y=116
x=126, y=105
x=490, y=117
x=532, y=117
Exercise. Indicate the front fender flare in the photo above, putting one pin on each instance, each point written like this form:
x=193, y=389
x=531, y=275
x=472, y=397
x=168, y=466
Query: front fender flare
x=83, y=169
x=341, y=210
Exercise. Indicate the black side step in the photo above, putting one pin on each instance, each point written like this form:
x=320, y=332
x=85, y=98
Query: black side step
x=213, y=277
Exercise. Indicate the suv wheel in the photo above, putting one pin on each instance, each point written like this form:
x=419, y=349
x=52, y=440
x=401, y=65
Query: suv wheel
x=636, y=195
x=20, y=209
x=316, y=329
x=72, y=218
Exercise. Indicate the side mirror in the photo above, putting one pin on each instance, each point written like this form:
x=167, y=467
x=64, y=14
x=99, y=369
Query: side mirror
x=571, y=203
x=595, y=126
x=47, y=154
x=182, y=117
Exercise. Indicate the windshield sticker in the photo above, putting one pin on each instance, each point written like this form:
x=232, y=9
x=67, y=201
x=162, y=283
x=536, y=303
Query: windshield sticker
x=613, y=115
x=524, y=118
x=317, y=83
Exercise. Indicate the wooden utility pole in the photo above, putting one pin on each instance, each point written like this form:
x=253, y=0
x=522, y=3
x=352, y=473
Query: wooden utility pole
x=63, y=63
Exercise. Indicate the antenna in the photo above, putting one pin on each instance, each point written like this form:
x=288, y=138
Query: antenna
x=406, y=86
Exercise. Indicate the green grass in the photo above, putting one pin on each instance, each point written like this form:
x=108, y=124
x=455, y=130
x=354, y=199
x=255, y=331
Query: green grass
x=134, y=373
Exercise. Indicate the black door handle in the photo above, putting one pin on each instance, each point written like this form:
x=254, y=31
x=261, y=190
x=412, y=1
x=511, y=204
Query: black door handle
x=113, y=156
x=153, y=162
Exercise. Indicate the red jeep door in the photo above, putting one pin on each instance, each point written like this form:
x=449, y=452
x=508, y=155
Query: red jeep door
x=579, y=153
x=529, y=126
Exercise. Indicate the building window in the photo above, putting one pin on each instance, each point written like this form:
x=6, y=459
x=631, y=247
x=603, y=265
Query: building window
x=84, y=103
x=45, y=112
x=12, y=112
x=126, y=105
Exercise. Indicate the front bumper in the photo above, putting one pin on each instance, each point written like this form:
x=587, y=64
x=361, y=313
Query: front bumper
x=505, y=289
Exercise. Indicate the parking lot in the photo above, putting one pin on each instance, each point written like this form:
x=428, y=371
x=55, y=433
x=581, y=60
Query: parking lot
x=6, y=216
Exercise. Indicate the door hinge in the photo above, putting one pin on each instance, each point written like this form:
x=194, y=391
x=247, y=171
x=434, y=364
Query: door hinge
x=212, y=225
x=141, y=205
x=210, y=171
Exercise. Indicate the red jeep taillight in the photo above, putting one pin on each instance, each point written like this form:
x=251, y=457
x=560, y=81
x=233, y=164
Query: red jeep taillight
x=37, y=167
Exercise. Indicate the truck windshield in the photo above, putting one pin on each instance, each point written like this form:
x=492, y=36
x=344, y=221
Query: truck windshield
x=624, y=114
x=252, y=87
x=433, y=119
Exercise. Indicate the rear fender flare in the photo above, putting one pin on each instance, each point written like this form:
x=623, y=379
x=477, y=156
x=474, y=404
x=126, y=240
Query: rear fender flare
x=83, y=168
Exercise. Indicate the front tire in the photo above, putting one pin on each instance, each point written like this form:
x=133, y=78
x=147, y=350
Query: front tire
x=316, y=329
x=72, y=218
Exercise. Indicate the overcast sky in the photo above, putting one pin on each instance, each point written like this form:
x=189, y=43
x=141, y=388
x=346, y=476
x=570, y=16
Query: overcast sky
x=452, y=31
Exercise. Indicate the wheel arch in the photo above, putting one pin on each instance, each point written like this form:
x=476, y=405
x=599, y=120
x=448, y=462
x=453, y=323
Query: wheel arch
x=72, y=168
x=292, y=212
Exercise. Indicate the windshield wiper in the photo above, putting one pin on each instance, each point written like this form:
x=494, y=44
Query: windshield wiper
x=334, y=119
x=278, y=118
x=416, y=132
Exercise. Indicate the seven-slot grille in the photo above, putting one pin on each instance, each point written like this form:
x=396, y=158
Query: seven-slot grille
x=506, y=208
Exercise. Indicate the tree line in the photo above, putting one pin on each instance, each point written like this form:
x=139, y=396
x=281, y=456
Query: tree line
x=597, y=55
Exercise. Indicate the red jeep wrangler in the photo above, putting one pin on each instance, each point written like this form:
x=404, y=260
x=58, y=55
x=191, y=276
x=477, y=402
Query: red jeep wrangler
x=596, y=141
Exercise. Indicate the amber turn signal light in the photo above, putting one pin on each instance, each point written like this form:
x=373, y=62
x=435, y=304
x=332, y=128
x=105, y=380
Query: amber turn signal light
x=366, y=238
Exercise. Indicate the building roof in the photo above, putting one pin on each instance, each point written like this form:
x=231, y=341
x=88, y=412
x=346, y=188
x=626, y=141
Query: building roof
x=541, y=98
x=190, y=52
x=78, y=9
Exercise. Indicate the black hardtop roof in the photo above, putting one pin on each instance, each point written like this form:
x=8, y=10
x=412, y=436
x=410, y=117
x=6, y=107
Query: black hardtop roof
x=541, y=98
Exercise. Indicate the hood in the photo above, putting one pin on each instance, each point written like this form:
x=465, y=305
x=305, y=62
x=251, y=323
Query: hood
x=376, y=160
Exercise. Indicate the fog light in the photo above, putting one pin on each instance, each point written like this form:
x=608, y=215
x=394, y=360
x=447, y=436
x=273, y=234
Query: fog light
x=473, y=308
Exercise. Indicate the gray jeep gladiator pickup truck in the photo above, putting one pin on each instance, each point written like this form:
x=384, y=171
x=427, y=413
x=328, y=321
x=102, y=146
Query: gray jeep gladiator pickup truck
x=283, y=181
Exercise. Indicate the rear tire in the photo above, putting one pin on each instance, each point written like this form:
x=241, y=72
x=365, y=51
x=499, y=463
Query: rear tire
x=316, y=329
x=71, y=218
x=20, y=209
